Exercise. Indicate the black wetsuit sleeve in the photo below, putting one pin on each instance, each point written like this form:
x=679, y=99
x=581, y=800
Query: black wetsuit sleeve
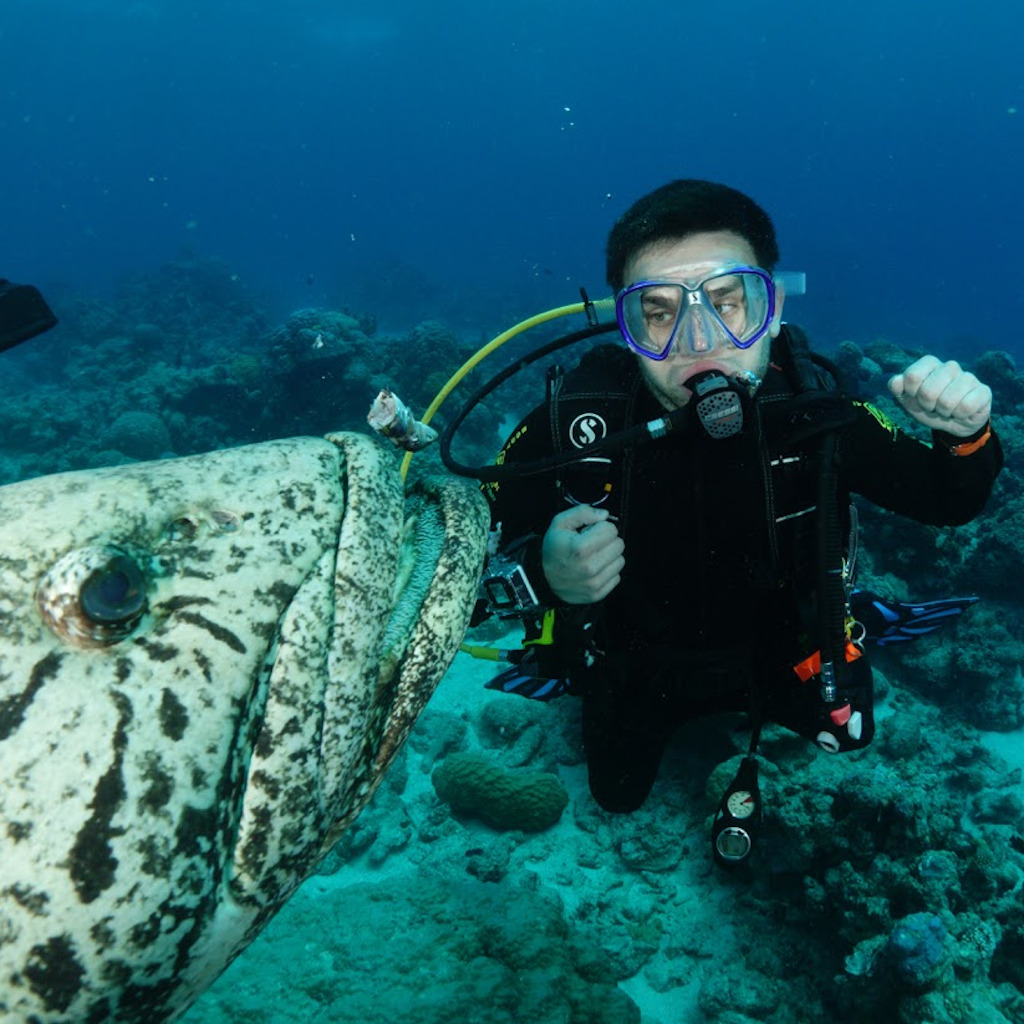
x=928, y=483
x=525, y=505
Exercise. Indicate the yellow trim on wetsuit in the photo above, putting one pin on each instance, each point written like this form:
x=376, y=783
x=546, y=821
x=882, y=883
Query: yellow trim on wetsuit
x=881, y=417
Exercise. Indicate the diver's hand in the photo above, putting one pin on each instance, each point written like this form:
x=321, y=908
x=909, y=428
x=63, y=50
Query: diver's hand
x=582, y=555
x=943, y=396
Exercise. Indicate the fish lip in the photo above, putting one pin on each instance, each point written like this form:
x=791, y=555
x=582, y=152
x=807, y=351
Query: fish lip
x=310, y=739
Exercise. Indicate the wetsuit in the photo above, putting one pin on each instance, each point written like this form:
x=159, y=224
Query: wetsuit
x=717, y=599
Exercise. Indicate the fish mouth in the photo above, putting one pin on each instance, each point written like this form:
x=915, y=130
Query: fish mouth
x=391, y=603
x=314, y=695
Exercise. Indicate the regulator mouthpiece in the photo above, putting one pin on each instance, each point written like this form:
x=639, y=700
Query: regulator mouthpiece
x=718, y=404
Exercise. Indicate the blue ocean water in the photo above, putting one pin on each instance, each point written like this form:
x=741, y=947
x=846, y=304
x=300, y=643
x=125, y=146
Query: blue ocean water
x=464, y=161
x=398, y=148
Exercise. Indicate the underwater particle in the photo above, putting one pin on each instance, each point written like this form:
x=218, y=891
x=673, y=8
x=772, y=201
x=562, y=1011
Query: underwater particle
x=1011, y=110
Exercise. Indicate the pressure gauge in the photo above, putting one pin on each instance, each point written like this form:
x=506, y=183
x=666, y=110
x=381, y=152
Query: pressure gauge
x=741, y=803
x=739, y=817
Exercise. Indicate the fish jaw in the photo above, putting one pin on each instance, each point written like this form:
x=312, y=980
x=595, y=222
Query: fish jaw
x=398, y=605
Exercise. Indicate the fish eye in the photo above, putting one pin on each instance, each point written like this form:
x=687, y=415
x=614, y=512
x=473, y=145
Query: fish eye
x=114, y=593
x=94, y=596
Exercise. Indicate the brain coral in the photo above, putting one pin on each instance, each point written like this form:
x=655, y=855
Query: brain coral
x=529, y=801
x=141, y=435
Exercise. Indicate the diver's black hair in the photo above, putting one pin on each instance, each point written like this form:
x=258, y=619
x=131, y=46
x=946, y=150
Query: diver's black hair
x=682, y=208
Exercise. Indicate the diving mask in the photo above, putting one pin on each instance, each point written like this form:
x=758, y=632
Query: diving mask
x=733, y=305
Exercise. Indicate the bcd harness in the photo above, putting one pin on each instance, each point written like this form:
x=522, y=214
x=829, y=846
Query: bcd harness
x=587, y=406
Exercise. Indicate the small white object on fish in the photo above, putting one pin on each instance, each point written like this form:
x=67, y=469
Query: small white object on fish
x=391, y=418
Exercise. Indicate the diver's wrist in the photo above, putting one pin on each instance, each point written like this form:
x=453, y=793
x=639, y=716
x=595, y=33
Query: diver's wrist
x=960, y=445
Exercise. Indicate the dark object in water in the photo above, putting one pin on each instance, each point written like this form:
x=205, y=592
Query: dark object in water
x=23, y=313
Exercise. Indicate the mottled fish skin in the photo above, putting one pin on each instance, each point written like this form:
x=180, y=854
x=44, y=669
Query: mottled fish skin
x=165, y=791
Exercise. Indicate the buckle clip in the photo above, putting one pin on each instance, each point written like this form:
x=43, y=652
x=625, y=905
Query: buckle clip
x=810, y=667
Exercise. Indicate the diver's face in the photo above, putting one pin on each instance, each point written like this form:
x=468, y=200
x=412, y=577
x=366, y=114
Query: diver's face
x=688, y=259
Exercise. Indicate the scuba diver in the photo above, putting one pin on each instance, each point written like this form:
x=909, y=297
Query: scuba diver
x=674, y=521
x=23, y=314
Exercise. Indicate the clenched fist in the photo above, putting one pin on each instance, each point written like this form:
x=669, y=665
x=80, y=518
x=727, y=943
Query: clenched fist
x=943, y=396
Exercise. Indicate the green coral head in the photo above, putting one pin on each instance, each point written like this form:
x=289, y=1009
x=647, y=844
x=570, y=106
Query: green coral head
x=478, y=787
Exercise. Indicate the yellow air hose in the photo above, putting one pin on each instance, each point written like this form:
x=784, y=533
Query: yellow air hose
x=493, y=345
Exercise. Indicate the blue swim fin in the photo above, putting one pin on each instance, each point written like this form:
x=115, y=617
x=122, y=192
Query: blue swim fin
x=898, y=622
x=528, y=679
x=515, y=680
x=885, y=622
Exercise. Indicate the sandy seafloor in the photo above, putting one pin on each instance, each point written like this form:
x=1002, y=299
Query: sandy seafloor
x=707, y=921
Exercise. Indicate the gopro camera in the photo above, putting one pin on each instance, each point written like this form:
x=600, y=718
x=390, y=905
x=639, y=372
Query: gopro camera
x=506, y=588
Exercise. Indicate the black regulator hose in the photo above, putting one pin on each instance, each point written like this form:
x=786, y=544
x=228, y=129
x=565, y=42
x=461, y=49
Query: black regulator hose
x=831, y=588
x=718, y=405
x=614, y=442
x=492, y=473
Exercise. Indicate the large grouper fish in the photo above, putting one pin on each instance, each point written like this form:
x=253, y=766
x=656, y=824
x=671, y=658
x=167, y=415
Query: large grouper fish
x=206, y=666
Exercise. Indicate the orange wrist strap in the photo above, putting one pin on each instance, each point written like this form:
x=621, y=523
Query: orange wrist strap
x=970, y=447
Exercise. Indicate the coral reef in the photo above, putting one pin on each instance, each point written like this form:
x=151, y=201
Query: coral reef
x=999, y=371
x=517, y=732
x=916, y=950
x=190, y=348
